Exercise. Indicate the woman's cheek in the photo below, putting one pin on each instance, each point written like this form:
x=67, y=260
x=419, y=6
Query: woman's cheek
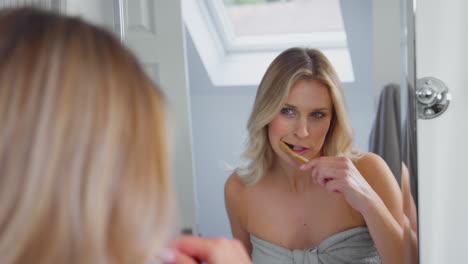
x=279, y=126
x=323, y=130
x=319, y=131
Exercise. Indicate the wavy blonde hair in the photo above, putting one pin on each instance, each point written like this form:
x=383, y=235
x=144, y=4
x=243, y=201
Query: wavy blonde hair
x=290, y=66
x=83, y=167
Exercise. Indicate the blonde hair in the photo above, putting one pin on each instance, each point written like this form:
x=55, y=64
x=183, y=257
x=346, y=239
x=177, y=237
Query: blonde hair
x=290, y=66
x=83, y=168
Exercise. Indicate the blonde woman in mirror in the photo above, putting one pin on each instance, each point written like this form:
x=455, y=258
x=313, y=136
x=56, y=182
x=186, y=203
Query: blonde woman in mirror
x=340, y=206
x=84, y=172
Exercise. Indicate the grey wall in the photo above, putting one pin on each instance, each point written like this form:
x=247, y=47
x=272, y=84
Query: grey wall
x=219, y=116
x=357, y=17
x=386, y=43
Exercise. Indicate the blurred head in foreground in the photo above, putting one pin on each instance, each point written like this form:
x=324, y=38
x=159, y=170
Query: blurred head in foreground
x=83, y=168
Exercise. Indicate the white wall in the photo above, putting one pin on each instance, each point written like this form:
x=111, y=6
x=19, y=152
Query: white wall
x=357, y=18
x=441, y=43
x=219, y=118
x=386, y=44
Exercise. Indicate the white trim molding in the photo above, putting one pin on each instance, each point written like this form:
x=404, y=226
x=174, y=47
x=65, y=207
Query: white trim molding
x=242, y=61
x=57, y=5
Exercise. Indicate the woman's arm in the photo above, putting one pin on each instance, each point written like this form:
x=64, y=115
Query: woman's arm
x=369, y=187
x=234, y=196
x=411, y=221
x=409, y=206
x=384, y=213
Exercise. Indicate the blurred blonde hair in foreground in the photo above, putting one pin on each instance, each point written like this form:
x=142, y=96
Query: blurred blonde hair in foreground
x=83, y=169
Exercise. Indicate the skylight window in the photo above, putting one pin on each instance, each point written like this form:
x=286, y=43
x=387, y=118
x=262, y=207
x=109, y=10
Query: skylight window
x=241, y=37
x=278, y=24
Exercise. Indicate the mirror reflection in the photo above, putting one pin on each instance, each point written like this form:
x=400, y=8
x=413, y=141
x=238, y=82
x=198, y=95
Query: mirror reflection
x=292, y=205
x=220, y=114
x=246, y=185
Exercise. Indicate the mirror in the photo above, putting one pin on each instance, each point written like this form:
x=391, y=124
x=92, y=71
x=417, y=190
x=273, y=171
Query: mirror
x=380, y=43
x=379, y=33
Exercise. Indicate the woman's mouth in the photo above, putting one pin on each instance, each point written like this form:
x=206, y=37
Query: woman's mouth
x=297, y=149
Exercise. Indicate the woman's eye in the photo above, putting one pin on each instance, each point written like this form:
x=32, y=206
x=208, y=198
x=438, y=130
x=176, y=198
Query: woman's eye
x=287, y=111
x=318, y=114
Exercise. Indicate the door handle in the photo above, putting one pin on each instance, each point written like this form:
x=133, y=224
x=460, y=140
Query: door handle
x=432, y=97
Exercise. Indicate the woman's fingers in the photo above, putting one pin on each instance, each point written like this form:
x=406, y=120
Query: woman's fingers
x=329, y=169
x=212, y=250
x=309, y=165
x=194, y=246
x=182, y=259
x=335, y=186
x=323, y=175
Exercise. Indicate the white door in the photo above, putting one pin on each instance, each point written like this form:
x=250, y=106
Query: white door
x=153, y=30
x=441, y=52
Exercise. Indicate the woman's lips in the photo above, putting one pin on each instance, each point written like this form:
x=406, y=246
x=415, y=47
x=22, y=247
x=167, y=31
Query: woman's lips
x=300, y=152
x=297, y=149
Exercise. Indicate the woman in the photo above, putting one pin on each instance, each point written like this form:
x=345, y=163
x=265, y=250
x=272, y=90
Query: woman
x=83, y=151
x=341, y=206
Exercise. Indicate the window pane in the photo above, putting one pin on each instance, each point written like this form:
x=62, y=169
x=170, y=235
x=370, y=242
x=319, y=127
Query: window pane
x=266, y=17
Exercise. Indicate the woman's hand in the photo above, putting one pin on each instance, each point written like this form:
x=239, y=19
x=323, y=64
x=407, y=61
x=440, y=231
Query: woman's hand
x=339, y=175
x=192, y=250
x=380, y=205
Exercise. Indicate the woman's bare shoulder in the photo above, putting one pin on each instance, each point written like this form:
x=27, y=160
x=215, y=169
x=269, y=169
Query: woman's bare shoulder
x=235, y=198
x=376, y=171
x=234, y=190
x=372, y=163
x=234, y=183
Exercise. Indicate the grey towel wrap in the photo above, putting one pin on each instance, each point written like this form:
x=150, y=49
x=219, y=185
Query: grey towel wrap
x=351, y=246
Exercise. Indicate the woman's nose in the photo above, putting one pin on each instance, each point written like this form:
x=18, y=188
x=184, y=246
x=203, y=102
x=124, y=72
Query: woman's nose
x=301, y=128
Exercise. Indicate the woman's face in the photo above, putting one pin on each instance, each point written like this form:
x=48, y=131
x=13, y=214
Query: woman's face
x=303, y=121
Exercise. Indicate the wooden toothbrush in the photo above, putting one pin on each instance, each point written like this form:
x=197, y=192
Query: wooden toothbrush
x=300, y=158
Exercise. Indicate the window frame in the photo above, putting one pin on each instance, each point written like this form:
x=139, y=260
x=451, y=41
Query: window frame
x=224, y=62
x=277, y=42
